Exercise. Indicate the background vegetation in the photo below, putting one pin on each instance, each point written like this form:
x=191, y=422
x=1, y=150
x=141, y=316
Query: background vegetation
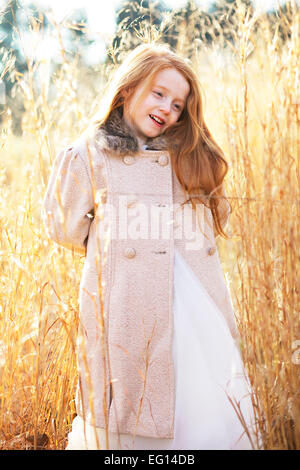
x=248, y=64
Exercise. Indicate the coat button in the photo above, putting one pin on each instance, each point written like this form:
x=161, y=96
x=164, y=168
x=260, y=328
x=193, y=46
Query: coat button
x=163, y=160
x=128, y=160
x=212, y=250
x=130, y=252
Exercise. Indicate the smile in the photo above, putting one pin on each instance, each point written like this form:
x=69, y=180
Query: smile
x=157, y=120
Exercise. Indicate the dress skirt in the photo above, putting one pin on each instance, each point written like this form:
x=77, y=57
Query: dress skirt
x=212, y=387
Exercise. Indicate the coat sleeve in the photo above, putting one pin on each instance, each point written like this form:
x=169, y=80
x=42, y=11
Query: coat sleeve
x=68, y=201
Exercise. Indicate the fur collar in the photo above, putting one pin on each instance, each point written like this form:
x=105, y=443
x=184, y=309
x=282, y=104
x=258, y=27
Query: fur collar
x=117, y=136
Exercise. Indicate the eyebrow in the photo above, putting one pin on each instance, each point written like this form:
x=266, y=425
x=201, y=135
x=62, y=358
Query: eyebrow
x=161, y=86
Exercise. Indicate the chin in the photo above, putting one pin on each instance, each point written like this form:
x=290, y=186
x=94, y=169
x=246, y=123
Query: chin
x=153, y=133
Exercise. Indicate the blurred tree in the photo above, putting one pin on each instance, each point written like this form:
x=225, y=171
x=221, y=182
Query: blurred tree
x=10, y=44
x=15, y=22
x=141, y=20
x=136, y=21
x=184, y=28
x=225, y=18
x=281, y=18
x=229, y=7
x=191, y=27
x=77, y=36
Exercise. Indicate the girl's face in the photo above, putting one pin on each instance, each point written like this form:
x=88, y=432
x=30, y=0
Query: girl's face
x=161, y=107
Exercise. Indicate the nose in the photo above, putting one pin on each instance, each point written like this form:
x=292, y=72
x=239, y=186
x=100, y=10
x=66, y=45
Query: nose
x=165, y=107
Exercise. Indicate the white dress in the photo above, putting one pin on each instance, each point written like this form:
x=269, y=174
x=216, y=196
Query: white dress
x=208, y=367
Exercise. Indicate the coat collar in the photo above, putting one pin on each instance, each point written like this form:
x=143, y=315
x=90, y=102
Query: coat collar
x=115, y=135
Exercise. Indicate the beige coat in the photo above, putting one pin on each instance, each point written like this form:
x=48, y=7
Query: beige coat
x=85, y=208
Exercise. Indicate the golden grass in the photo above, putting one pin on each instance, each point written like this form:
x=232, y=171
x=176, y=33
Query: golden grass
x=252, y=97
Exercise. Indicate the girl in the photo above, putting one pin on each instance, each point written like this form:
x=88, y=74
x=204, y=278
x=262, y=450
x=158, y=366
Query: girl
x=158, y=358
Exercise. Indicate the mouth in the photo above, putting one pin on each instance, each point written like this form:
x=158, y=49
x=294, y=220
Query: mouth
x=158, y=121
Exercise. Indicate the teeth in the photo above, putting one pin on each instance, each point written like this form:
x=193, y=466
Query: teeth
x=156, y=119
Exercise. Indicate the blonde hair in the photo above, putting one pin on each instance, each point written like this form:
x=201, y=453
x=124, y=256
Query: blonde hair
x=198, y=161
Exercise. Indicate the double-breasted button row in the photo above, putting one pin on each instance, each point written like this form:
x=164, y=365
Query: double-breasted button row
x=163, y=160
x=130, y=252
x=128, y=160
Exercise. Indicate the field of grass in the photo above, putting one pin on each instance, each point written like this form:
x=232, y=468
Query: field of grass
x=252, y=97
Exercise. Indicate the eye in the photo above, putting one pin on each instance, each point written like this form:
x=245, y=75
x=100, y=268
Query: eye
x=158, y=93
x=178, y=107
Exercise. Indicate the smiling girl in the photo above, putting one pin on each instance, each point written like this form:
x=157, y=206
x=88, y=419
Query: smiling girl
x=161, y=108
x=158, y=347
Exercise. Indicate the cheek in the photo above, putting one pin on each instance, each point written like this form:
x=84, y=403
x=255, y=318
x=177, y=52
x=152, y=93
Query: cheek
x=175, y=118
x=149, y=103
x=143, y=109
x=135, y=111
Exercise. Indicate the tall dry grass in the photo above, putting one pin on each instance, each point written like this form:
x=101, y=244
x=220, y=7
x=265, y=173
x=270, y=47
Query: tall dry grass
x=252, y=107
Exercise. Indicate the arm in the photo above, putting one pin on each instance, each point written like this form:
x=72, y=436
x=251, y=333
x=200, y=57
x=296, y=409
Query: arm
x=68, y=200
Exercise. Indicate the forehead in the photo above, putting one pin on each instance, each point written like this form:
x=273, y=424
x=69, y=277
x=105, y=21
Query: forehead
x=174, y=82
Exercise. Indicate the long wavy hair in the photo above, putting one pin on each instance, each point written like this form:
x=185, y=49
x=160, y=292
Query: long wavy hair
x=198, y=161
